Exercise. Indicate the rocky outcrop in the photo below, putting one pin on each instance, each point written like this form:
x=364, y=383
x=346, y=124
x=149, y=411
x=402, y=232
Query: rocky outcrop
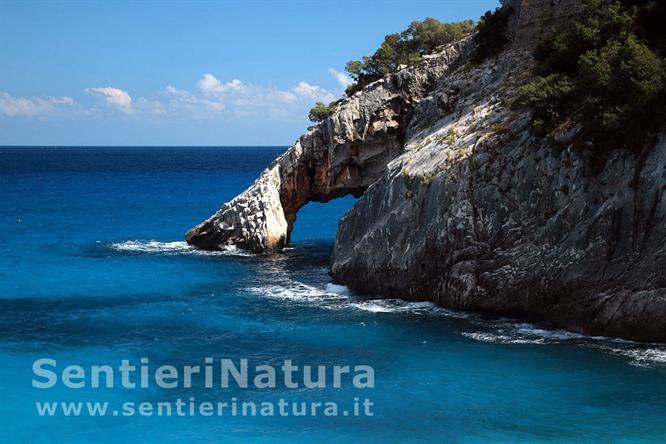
x=342, y=155
x=480, y=215
x=461, y=205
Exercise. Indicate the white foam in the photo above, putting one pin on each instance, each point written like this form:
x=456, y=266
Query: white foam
x=231, y=250
x=639, y=356
x=502, y=339
x=151, y=246
x=550, y=335
x=337, y=297
x=173, y=248
x=338, y=289
x=394, y=306
x=498, y=331
x=296, y=292
x=554, y=335
x=374, y=307
x=507, y=332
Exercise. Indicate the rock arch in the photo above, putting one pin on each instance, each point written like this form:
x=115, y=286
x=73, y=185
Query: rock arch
x=342, y=155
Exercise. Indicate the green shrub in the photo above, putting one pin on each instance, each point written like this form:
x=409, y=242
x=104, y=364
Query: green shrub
x=492, y=34
x=421, y=38
x=499, y=128
x=547, y=97
x=451, y=136
x=606, y=71
x=426, y=179
x=405, y=48
x=321, y=111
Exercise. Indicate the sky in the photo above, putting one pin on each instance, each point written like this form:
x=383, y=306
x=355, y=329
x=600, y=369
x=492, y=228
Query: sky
x=174, y=73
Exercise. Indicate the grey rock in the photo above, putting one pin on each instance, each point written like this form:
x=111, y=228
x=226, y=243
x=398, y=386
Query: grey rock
x=463, y=207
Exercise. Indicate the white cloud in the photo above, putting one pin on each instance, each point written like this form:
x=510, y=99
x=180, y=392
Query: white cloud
x=210, y=85
x=342, y=78
x=60, y=100
x=20, y=106
x=170, y=90
x=209, y=97
x=243, y=99
x=182, y=100
x=115, y=97
x=313, y=92
x=149, y=106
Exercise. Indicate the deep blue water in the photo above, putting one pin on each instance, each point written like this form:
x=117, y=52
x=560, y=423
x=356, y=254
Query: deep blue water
x=93, y=270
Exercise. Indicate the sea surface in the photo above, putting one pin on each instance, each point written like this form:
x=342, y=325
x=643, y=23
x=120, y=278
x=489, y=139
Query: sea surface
x=93, y=270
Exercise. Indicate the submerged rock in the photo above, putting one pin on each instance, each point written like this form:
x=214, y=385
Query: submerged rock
x=462, y=206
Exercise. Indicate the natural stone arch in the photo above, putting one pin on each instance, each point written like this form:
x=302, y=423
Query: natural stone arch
x=342, y=155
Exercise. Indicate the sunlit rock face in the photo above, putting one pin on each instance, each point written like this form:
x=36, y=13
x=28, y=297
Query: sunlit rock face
x=462, y=206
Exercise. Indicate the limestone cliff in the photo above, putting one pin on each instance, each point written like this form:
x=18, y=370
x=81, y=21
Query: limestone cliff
x=342, y=155
x=461, y=205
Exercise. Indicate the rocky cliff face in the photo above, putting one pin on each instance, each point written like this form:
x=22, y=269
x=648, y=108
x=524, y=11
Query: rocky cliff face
x=462, y=206
x=478, y=214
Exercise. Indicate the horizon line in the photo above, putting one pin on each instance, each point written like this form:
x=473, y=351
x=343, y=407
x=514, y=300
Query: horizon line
x=144, y=146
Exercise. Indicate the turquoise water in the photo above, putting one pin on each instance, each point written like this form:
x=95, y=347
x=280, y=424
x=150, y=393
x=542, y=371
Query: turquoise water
x=93, y=270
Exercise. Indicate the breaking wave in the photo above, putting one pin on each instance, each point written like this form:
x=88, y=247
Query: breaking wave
x=501, y=339
x=174, y=248
x=639, y=356
x=498, y=331
x=507, y=331
x=297, y=292
x=338, y=297
x=402, y=306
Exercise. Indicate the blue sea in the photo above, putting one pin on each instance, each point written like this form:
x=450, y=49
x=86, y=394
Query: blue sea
x=94, y=270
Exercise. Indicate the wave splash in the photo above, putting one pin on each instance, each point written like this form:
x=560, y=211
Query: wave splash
x=338, y=297
x=506, y=331
x=298, y=292
x=498, y=331
x=174, y=248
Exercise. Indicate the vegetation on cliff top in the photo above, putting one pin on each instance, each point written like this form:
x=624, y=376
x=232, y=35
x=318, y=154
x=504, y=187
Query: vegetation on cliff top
x=404, y=49
x=491, y=34
x=397, y=50
x=321, y=111
x=421, y=38
x=606, y=72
